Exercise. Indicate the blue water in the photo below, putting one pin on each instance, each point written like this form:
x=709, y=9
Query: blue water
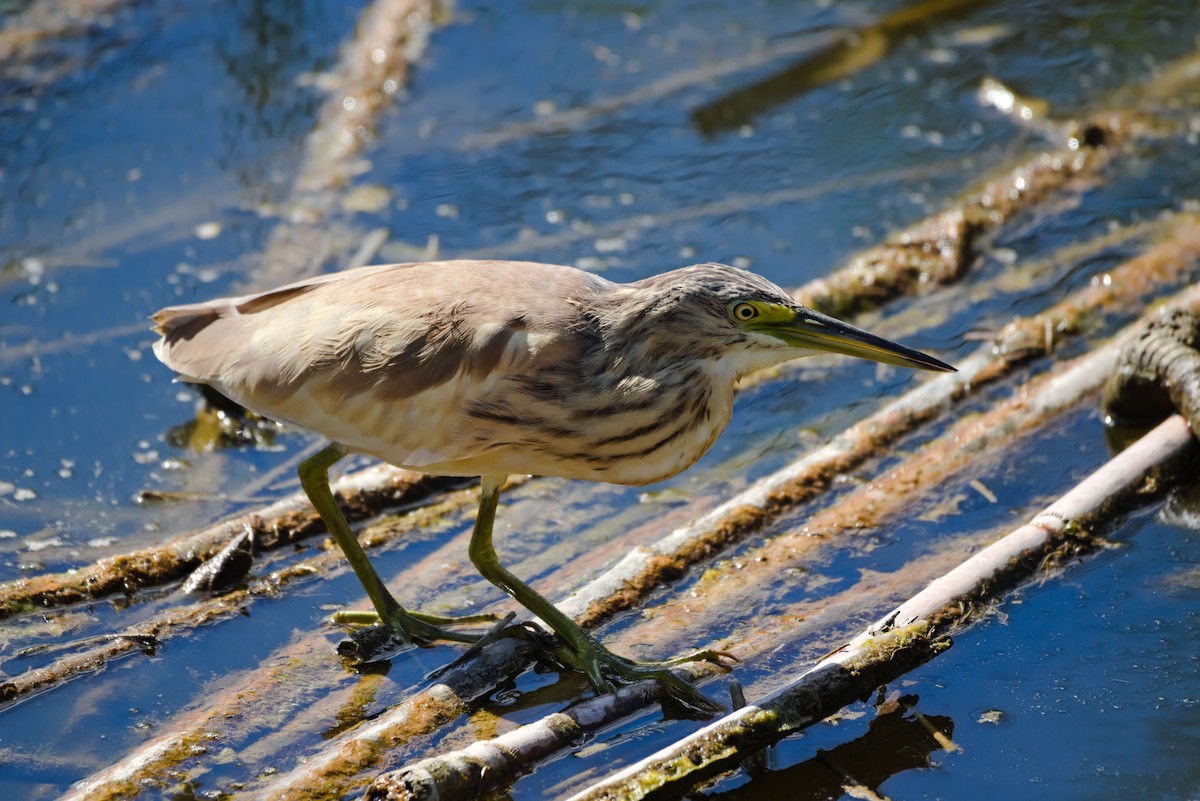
x=145, y=159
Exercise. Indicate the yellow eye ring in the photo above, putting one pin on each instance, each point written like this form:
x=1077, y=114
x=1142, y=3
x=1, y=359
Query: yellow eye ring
x=743, y=312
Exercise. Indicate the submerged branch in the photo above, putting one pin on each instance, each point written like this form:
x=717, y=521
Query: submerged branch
x=363, y=494
x=37, y=348
x=908, y=635
x=28, y=29
x=825, y=57
x=372, y=70
x=486, y=764
x=1159, y=372
x=183, y=613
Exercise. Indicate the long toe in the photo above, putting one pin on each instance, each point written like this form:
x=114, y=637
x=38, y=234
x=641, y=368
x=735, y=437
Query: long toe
x=418, y=627
x=720, y=659
x=455, y=620
x=603, y=667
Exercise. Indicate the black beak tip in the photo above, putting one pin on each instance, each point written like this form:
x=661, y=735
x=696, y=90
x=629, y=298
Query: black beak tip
x=940, y=366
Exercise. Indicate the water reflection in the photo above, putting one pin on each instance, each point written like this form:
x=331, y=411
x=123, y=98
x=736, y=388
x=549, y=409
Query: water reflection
x=265, y=49
x=893, y=744
x=847, y=53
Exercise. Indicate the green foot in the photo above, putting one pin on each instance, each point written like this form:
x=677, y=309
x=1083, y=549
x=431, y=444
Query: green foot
x=574, y=647
x=603, y=668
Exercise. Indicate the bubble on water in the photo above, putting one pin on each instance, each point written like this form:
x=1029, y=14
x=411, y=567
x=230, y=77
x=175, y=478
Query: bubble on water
x=41, y=545
x=610, y=244
x=208, y=230
x=992, y=716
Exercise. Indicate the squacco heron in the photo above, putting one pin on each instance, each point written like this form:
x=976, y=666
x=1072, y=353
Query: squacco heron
x=491, y=368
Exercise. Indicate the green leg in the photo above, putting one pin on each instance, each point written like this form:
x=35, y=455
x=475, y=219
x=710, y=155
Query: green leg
x=581, y=651
x=314, y=477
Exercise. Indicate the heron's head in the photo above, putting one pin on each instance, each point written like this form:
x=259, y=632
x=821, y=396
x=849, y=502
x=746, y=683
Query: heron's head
x=740, y=315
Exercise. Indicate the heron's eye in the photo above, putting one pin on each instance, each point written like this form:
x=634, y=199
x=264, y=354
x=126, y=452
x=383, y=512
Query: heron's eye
x=744, y=311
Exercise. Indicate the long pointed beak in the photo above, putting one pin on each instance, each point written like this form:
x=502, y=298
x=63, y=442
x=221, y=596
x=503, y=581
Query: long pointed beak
x=816, y=331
